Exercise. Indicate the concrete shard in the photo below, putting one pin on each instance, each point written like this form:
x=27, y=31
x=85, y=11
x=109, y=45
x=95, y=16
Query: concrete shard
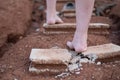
x=104, y=51
x=50, y=56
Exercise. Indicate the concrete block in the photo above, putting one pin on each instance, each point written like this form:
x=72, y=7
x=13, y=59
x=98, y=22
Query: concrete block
x=50, y=56
x=104, y=51
x=70, y=28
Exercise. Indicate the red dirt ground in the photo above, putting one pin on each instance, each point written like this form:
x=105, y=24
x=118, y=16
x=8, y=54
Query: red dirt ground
x=15, y=61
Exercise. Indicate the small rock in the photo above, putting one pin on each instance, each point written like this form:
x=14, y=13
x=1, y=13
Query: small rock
x=84, y=79
x=21, y=37
x=26, y=46
x=114, y=65
x=84, y=60
x=77, y=72
x=37, y=30
x=98, y=63
x=93, y=77
x=10, y=67
x=20, y=48
x=99, y=69
x=2, y=70
x=81, y=68
x=15, y=79
x=118, y=77
x=72, y=67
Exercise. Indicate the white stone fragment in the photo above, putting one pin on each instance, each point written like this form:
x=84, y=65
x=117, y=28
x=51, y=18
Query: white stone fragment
x=99, y=63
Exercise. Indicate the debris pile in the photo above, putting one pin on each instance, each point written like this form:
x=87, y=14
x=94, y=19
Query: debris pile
x=75, y=64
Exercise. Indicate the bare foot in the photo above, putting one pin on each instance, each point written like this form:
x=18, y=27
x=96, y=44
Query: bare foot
x=54, y=20
x=79, y=43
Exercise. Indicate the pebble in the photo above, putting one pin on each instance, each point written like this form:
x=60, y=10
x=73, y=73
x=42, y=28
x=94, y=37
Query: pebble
x=77, y=73
x=114, y=65
x=118, y=77
x=15, y=79
x=10, y=67
x=81, y=68
x=72, y=67
x=26, y=46
x=2, y=70
x=84, y=60
x=98, y=63
x=21, y=37
x=37, y=30
x=93, y=77
x=99, y=69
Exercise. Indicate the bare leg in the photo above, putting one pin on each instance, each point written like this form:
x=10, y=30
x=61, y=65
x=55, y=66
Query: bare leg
x=83, y=13
x=51, y=17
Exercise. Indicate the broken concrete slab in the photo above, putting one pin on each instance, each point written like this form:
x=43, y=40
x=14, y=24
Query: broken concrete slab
x=50, y=56
x=104, y=51
x=70, y=28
